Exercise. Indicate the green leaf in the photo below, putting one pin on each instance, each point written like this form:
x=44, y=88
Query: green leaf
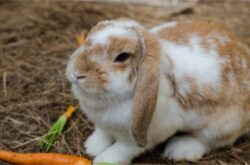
x=55, y=131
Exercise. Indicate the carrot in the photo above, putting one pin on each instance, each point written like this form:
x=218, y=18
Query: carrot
x=80, y=40
x=47, y=141
x=42, y=159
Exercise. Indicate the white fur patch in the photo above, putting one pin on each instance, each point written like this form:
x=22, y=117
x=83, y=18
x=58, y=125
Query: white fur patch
x=127, y=23
x=185, y=148
x=163, y=26
x=70, y=72
x=119, y=152
x=103, y=36
x=166, y=119
x=118, y=115
x=118, y=82
x=194, y=61
x=97, y=142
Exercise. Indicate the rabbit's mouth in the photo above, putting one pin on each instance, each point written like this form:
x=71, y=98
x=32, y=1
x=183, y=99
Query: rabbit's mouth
x=95, y=94
x=93, y=89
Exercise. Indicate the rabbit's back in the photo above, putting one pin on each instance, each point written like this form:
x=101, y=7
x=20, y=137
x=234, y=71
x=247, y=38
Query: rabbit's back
x=208, y=64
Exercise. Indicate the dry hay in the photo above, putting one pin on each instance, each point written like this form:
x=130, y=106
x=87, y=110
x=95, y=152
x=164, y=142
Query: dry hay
x=36, y=39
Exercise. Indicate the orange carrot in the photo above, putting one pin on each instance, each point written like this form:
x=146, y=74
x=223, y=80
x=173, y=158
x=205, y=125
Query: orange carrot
x=42, y=159
x=80, y=40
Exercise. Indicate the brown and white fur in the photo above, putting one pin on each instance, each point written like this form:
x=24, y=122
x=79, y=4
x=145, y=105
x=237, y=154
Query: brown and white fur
x=192, y=77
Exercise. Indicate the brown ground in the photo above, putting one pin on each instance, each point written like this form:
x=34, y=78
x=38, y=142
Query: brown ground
x=36, y=40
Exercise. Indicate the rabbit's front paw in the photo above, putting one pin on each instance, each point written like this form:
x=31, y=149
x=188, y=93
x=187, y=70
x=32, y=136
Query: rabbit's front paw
x=111, y=157
x=119, y=152
x=97, y=142
x=185, y=148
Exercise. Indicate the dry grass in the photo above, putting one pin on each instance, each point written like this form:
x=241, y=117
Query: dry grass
x=36, y=39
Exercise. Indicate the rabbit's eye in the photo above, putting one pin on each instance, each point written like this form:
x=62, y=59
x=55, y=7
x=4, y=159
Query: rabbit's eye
x=122, y=57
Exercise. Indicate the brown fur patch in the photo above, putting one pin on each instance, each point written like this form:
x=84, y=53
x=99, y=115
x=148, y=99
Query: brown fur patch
x=183, y=30
x=95, y=75
x=122, y=44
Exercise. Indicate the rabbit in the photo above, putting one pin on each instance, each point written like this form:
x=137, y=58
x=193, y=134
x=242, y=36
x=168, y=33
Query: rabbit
x=139, y=87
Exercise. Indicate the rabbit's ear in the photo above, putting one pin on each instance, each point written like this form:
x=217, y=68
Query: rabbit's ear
x=145, y=96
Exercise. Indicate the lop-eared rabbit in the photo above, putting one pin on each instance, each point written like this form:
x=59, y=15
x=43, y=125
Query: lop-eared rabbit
x=141, y=86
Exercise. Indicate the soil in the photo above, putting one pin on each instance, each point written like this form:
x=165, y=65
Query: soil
x=36, y=40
